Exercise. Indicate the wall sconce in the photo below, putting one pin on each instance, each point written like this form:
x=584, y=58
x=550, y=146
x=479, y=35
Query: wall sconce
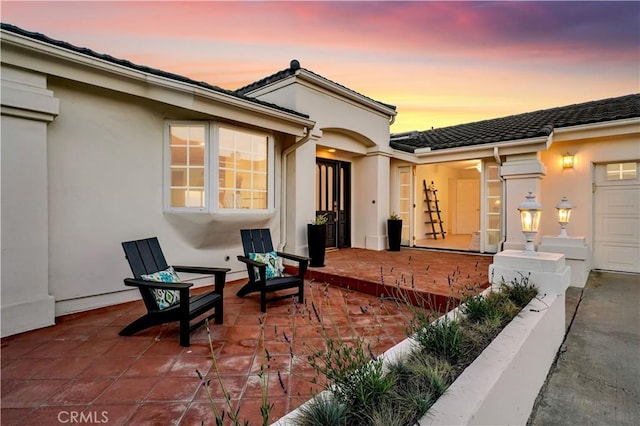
x=567, y=161
x=564, y=215
x=530, y=212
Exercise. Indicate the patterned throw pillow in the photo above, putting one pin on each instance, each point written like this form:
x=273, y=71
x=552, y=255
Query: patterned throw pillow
x=165, y=298
x=275, y=268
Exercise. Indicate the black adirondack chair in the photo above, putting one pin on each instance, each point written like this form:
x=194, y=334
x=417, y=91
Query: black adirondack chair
x=259, y=241
x=145, y=257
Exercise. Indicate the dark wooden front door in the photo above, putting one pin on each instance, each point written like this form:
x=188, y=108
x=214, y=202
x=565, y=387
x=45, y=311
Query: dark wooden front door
x=333, y=199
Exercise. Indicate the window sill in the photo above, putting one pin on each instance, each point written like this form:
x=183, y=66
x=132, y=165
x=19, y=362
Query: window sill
x=215, y=230
x=231, y=216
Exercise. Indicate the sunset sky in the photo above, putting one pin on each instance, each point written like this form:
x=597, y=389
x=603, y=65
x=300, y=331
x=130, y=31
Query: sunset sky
x=440, y=63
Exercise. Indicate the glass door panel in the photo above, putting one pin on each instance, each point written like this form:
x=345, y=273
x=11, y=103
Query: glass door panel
x=406, y=203
x=492, y=206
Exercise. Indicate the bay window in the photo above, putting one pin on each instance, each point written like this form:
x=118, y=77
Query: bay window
x=213, y=167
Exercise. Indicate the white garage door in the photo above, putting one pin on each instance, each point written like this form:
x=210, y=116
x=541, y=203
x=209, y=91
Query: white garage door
x=617, y=217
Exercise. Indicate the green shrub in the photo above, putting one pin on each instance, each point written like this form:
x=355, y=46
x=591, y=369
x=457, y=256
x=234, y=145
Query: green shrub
x=479, y=307
x=323, y=410
x=443, y=339
x=399, y=410
x=520, y=291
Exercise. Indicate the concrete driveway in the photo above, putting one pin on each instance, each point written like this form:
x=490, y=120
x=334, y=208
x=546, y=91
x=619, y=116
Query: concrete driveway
x=596, y=377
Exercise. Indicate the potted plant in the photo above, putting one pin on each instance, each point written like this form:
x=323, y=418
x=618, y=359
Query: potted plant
x=394, y=231
x=317, y=238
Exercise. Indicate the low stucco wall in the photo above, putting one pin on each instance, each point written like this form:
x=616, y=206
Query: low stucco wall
x=501, y=385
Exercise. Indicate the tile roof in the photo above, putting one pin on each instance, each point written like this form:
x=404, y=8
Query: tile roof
x=143, y=68
x=292, y=70
x=521, y=126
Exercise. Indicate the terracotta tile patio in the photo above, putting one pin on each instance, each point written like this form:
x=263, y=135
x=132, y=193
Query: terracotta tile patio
x=81, y=369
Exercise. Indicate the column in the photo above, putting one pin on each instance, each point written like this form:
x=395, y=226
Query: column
x=522, y=174
x=27, y=109
x=371, y=202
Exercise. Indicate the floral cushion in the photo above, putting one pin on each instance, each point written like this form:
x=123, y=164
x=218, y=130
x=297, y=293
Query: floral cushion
x=275, y=268
x=164, y=298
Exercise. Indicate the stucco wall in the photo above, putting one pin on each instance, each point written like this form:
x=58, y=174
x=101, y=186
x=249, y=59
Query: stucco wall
x=105, y=156
x=576, y=183
x=330, y=111
x=357, y=133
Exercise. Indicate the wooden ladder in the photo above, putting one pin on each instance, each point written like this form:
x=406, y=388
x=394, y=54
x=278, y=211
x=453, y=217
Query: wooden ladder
x=432, y=210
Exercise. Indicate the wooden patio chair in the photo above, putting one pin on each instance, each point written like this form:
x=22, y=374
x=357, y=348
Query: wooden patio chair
x=269, y=276
x=165, y=297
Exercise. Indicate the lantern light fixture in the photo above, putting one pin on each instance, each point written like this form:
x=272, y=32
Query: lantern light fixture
x=530, y=212
x=567, y=161
x=564, y=215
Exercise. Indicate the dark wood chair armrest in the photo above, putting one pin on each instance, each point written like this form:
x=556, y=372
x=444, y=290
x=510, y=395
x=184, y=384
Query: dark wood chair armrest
x=262, y=268
x=293, y=257
x=255, y=263
x=156, y=284
x=205, y=270
x=219, y=274
x=303, y=262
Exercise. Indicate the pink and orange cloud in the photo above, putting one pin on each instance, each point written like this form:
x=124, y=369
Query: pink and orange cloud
x=440, y=63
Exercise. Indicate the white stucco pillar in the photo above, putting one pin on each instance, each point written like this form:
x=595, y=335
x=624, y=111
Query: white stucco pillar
x=371, y=202
x=522, y=174
x=27, y=108
x=300, y=197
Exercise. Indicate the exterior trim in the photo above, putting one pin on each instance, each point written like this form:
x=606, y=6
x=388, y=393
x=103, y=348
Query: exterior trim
x=60, y=54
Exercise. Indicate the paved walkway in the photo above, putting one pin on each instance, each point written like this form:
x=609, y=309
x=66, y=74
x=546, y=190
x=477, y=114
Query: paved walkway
x=82, y=365
x=596, y=380
x=425, y=276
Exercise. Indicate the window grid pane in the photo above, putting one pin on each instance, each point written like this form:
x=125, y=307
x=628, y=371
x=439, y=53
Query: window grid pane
x=187, y=166
x=621, y=171
x=242, y=177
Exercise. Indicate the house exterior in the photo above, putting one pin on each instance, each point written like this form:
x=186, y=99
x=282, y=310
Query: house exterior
x=96, y=150
x=487, y=168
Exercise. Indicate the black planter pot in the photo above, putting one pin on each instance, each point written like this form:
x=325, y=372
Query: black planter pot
x=394, y=233
x=317, y=238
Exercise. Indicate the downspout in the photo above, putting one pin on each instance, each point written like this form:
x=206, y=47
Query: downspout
x=503, y=223
x=283, y=190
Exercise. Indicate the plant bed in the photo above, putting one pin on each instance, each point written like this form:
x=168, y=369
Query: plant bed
x=509, y=371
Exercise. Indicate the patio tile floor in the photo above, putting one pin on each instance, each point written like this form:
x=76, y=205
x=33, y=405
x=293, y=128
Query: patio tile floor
x=82, y=365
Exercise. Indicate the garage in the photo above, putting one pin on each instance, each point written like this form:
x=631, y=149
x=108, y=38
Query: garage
x=617, y=217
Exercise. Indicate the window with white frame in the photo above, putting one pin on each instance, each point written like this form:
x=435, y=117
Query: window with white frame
x=217, y=168
x=621, y=171
x=187, y=161
x=242, y=171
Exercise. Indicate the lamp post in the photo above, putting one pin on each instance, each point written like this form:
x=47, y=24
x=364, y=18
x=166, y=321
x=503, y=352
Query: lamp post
x=564, y=215
x=530, y=212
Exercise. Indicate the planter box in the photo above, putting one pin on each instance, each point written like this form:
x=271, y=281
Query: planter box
x=501, y=385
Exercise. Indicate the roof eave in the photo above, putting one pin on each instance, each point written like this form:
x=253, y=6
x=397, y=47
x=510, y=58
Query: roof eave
x=324, y=84
x=519, y=146
x=342, y=91
x=600, y=129
x=60, y=53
